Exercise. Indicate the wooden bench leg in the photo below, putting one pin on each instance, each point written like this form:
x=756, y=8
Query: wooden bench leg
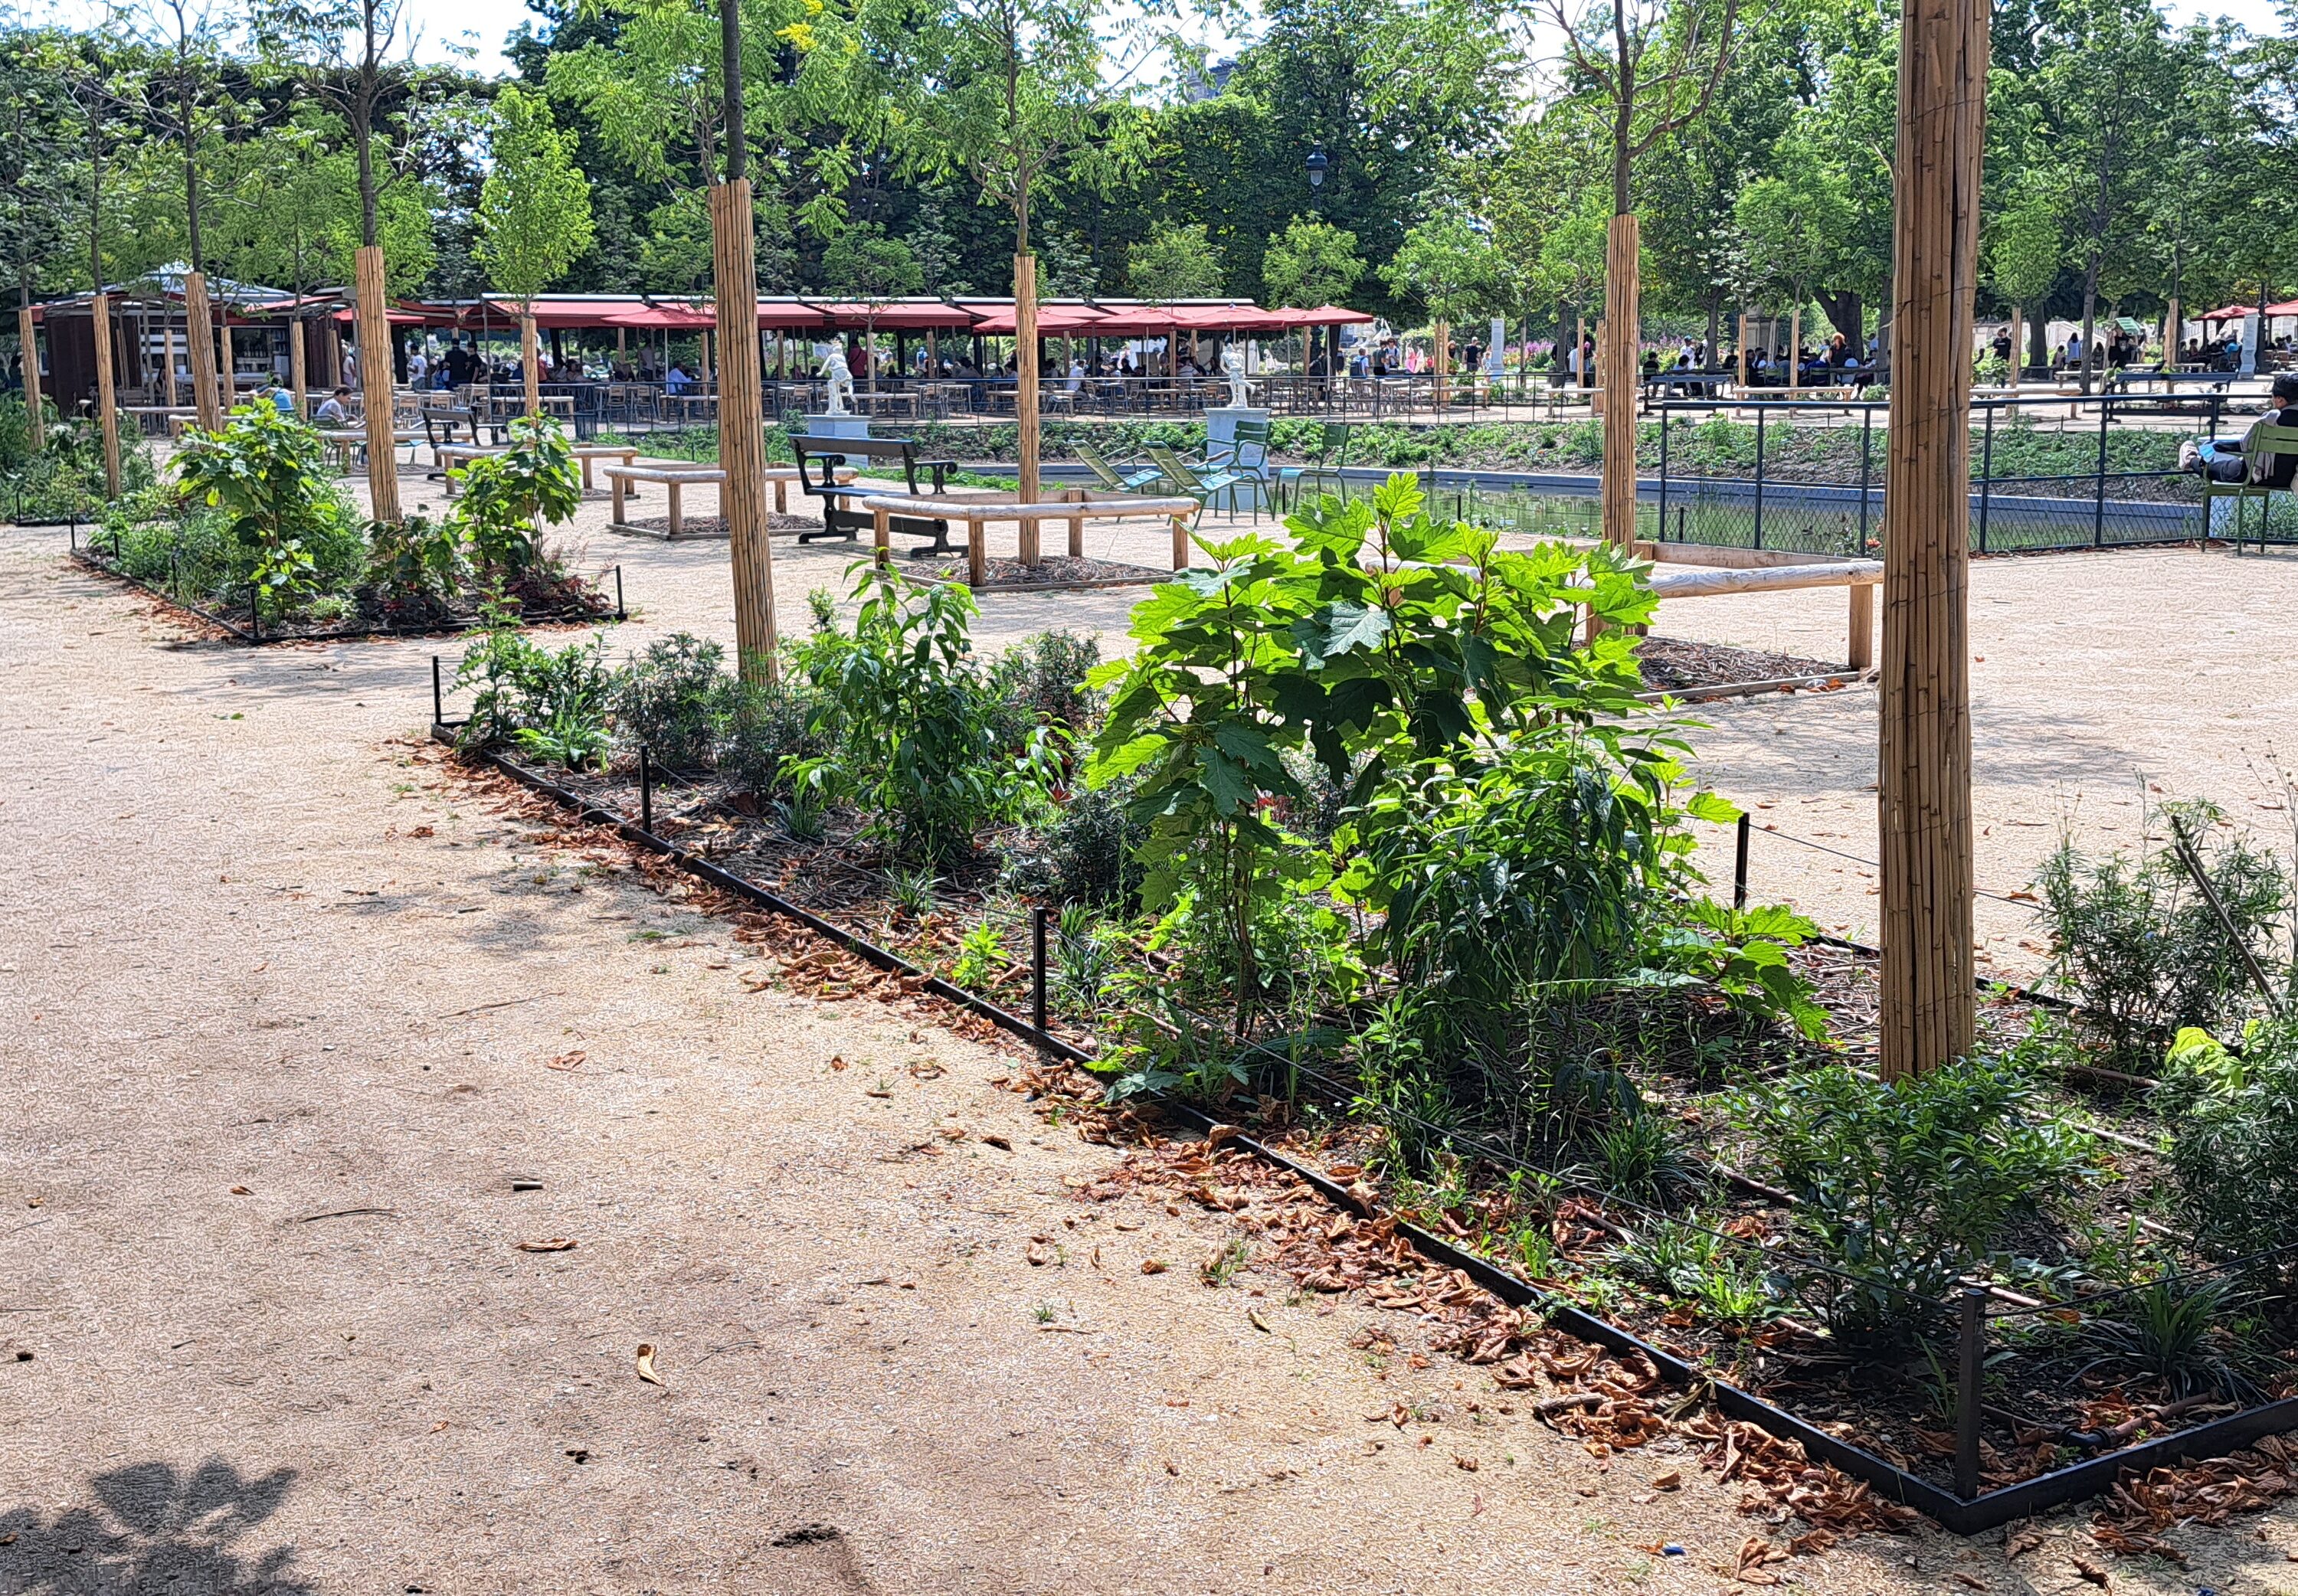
x=977, y=552
x=1862, y=625
x=586, y=472
x=782, y=497
x=1077, y=537
x=615, y=483
x=677, y=509
x=1180, y=542
x=1026, y=535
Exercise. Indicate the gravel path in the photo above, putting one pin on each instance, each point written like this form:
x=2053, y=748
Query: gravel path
x=255, y=935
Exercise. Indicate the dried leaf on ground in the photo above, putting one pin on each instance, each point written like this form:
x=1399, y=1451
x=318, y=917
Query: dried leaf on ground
x=646, y=1366
x=557, y=1244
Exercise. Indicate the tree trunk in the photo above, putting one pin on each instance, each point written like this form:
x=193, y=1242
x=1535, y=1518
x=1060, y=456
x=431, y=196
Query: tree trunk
x=1924, y=765
x=1742, y=352
x=1025, y=370
x=297, y=374
x=1795, y=349
x=742, y=428
x=2018, y=331
x=199, y=332
x=1441, y=360
x=1617, y=484
x=375, y=386
x=36, y=419
x=167, y=363
x=1580, y=373
x=2090, y=318
x=529, y=361
x=107, y=408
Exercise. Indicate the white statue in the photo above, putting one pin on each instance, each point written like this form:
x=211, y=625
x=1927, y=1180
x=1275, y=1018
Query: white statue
x=1233, y=366
x=839, y=381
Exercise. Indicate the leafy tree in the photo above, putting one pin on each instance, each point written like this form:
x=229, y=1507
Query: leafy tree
x=36, y=136
x=267, y=473
x=1787, y=225
x=2024, y=257
x=1175, y=262
x=1310, y=264
x=866, y=266
x=535, y=212
x=1447, y=264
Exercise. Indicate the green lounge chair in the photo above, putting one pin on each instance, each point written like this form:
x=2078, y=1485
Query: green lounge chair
x=1324, y=466
x=1115, y=478
x=1192, y=482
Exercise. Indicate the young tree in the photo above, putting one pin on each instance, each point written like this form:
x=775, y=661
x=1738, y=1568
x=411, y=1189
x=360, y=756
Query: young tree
x=533, y=216
x=189, y=40
x=1787, y=227
x=865, y=266
x=1012, y=93
x=36, y=137
x=1176, y=262
x=1310, y=264
x=2024, y=257
x=1448, y=266
x=1649, y=67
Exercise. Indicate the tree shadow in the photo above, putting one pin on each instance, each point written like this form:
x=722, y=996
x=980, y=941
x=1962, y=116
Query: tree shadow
x=154, y=1528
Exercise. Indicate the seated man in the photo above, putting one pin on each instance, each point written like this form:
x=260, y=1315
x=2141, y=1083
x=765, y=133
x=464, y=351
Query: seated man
x=2226, y=460
x=334, y=410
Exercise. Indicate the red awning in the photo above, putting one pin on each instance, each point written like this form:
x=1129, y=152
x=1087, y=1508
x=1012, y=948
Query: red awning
x=395, y=317
x=2231, y=313
x=1056, y=321
x=908, y=314
x=1324, y=316
x=660, y=318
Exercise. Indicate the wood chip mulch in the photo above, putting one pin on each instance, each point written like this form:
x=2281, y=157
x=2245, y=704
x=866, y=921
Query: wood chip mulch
x=1672, y=663
x=1057, y=570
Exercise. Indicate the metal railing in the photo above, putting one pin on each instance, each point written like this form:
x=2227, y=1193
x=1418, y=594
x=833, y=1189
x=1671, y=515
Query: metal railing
x=2049, y=472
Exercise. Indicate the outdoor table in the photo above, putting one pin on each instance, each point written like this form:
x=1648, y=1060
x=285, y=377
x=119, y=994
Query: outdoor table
x=152, y=417
x=896, y=399
x=344, y=441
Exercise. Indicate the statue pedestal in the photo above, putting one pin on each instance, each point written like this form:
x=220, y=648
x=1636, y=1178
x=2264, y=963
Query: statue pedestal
x=1221, y=424
x=838, y=426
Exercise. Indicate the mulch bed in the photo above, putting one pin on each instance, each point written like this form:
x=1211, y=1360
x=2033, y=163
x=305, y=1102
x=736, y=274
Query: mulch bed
x=696, y=528
x=1672, y=663
x=1056, y=570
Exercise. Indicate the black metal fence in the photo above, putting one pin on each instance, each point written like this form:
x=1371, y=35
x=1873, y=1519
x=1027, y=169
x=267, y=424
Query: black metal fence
x=2046, y=473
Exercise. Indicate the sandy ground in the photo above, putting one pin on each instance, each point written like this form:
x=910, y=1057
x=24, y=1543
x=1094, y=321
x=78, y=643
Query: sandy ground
x=253, y=937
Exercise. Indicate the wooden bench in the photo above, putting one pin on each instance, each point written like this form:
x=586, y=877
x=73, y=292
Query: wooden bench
x=818, y=459
x=675, y=476
x=1704, y=570
x=1075, y=505
x=346, y=441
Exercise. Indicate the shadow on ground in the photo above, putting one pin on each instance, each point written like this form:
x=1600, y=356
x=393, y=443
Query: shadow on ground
x=153, y=1528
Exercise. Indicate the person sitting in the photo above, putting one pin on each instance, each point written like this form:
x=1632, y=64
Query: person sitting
x=2229, y=460
x=677, y=381
x=281, y=400
x=334, y=410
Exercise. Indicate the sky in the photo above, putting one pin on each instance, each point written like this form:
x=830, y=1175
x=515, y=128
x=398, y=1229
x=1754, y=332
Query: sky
x=446, y=27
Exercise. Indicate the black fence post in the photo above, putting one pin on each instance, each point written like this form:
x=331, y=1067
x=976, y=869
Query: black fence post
x=646, y=791
x=1759, y=476
x=1867, y=459
x=438, y=696
x=1986, y=476
x=1038, y=966
x=255, y=611
x=1664, y=417
x=1739, y=863
x=621, y=613
x=1969, y=1373
x=2098, y=514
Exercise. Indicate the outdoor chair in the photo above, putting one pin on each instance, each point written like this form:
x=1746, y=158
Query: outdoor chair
x=1246, y=463
x=2274, y=441
x=1117, y=479
x=1324, y=466
x=1194, y=481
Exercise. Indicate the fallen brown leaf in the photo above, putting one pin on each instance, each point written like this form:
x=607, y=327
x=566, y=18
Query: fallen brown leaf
x=567, y=1060
x=1154, y=1266
x=241, y=1191
x=1470, y=1463
x=646, y=1366
x=994, y=1139
x=557, y=1244
x=2090, y=1571
x=2024, y=1542
x=1670, y=1481
x=1253, y=1317
x=1972, y=1581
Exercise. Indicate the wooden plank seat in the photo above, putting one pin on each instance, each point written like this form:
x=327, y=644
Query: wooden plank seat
x=819, y=461
x=346, y=441
x=675, y=476
x=1075, y=506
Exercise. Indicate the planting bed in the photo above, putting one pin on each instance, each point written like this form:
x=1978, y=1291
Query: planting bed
x=2053, y=1428
x=1671, y=663
x=1054, y=573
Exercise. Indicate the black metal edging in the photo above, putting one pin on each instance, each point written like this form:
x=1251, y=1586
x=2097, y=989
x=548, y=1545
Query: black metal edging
x=697, y=866
x=1957, y=1515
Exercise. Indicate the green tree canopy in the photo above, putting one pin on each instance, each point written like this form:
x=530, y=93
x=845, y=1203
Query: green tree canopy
x=1310, y=263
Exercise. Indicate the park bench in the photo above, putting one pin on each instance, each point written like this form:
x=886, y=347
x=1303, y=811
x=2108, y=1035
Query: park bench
x=818, y=462
x=2273, y=443
x=885, y=511
x=675, y=476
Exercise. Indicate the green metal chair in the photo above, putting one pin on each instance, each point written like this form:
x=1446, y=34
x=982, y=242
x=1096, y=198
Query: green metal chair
x=2273, y=442
x=1324, y=466
x=1246, y=464
x=1117, y=479
x=1190, y=481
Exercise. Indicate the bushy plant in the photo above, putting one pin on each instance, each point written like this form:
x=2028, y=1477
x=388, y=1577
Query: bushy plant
x=509, y=498
x=1087, y=852
x=677, y=699
x=1044, y=674
x=519, y=688
x=2141, y=949
x=1901, y=1187
x=265, y=473
x=2235, y=1144
x=414, y=568
x=924, y=748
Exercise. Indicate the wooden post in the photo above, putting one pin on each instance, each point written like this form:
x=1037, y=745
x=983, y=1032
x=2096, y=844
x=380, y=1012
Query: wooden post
x=36, y=419
x=530, y=357
x=2018, y=348
x=1795, y=349
x=107, y=408
x=375, y=386
x=1924, y=768
x=199, y=332
x=1441, y=360
x=741, y=430
x=167, y=363
x=1742, y=352
x=1580, y=353
x=1861, y=651
x=1025, y=371
x=296, y=373
x=1617, y=484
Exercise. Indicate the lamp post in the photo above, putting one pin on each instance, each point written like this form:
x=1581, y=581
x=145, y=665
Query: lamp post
x=1316, y=164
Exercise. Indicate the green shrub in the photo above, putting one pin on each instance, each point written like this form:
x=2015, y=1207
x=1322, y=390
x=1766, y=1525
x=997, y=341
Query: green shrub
x=265, y=472
x=2235, y=1148
x=1087, y=852
x=414, y=569
x=2139, y=948
x=676, y=699
x=507, y=497
x=1902, y=1189
x=1045, y=675
x=522, y=688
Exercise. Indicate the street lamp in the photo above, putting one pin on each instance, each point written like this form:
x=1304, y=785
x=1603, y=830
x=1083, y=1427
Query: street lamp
x=1317, y=165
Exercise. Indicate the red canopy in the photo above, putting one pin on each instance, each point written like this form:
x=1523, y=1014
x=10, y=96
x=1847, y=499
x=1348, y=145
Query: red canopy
x=394, y=317
x=1324, y=316
x=655, y=317
x=905, y=315
x=1055, y=322
x=2232, y=313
